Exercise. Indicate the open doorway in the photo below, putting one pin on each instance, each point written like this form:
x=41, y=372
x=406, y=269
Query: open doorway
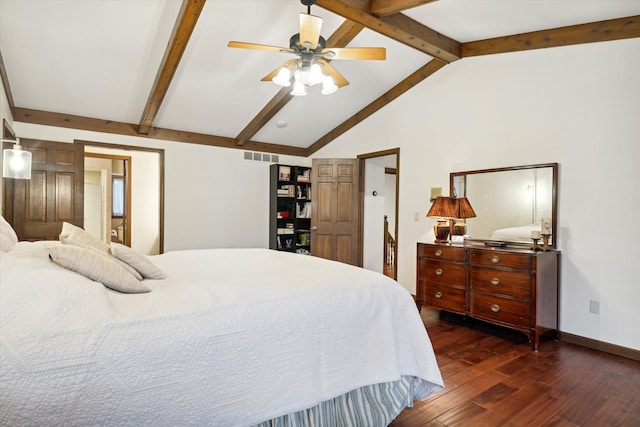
x=107, y=197
x=139, y=219
x=380, y=178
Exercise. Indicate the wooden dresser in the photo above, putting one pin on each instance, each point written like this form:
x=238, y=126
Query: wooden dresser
x=516, y=288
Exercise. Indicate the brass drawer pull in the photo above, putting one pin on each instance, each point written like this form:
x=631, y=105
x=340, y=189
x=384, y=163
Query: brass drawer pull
x=495, y=259
x=438, y=252
x=439, y=272
x=438, y=295
x=495, y=281
x=495, y=308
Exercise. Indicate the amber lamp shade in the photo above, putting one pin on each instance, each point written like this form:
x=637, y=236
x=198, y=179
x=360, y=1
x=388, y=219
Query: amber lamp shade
x=463, y=210
x=444, y=209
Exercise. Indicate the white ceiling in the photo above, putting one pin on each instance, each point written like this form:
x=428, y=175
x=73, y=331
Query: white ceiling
x=99, y=58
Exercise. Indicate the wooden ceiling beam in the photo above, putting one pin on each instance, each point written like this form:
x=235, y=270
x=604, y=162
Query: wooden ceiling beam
x=402, y=87
x=398, y=27
x=613, y=29
x=47, y=118
x=389, y=7
x=182, y=30
x=340, y=38
x=5, y=83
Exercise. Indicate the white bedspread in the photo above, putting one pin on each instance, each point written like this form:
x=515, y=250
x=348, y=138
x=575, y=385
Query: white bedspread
x=232, y=337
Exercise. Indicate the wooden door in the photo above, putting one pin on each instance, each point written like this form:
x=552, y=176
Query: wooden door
x=335, y=215
x=37, y=207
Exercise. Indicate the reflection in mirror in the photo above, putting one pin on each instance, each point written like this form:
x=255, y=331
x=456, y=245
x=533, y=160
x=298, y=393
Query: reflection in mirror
x=509, y=203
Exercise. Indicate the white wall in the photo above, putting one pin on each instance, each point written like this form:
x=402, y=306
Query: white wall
x=578, y=106
x=373, y=227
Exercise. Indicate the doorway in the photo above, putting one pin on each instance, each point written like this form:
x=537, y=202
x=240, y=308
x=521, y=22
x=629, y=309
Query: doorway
x=108, y=193
x=380, y=177
x=143, y=195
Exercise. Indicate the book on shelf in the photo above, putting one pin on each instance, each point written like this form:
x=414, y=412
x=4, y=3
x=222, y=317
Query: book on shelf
x=286, y=191
x=286, y=231
x=303, y=192
x=304, y=211
x=304, y=239
x=284, y=173
x=304, y=176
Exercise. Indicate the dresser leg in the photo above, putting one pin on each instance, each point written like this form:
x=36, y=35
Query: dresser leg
x=534, y=338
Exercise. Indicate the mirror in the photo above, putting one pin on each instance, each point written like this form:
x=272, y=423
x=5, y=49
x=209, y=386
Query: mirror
x=509, y=202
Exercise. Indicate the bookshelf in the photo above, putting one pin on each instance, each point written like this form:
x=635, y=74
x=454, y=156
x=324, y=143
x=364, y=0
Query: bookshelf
x=290, y=208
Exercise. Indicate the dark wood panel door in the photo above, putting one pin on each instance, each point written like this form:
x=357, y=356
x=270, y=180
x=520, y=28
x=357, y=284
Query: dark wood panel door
x=55, y=193
x=335, y=217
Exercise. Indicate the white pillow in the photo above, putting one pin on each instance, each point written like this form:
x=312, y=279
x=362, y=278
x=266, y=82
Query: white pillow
x=74, y=235
x=5, y=243
x=96, y=267
x=8, y=236
x=138, y=261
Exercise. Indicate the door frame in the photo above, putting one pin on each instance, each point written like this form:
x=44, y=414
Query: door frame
x=160, y=152
x=7, y=183
x=361, y=158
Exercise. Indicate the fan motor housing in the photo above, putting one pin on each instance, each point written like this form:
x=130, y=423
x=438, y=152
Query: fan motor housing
x=294, y=43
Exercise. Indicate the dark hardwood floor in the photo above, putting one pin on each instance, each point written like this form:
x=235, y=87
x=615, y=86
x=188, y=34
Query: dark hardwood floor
x=492, y=378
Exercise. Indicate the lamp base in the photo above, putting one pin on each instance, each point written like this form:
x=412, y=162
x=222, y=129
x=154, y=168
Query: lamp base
x=459, y=228
x=441, y=231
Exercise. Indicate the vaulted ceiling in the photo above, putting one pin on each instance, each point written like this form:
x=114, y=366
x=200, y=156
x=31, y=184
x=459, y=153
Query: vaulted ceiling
x=162, y=68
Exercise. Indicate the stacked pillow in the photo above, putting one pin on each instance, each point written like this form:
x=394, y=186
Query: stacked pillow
x=116, y=266
x=8, y=237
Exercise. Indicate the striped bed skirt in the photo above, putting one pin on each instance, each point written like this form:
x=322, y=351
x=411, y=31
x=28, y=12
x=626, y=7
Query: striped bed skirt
x=369, y=406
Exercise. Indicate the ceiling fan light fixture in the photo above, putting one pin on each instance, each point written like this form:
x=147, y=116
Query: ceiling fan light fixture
x=298, y=89
x=283, y=78
x=315, y=75
x=328, y=86
x=311, y=66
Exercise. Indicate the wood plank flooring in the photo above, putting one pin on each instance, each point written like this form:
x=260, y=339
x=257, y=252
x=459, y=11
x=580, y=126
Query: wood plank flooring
x=492, y=378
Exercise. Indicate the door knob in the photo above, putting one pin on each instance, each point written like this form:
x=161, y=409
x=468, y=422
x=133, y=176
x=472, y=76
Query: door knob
x=314, y=228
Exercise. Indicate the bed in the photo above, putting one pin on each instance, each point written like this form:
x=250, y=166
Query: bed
x=229, y=337
x=515, y=234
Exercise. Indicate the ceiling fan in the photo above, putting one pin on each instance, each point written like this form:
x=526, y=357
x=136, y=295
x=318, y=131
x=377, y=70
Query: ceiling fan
x=311, y=66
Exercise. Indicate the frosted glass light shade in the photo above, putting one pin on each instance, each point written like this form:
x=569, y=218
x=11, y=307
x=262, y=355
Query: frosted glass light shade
x=16, y=163
x=298, y=89
x=283, y=78
x=315, y=75
x=328, y=86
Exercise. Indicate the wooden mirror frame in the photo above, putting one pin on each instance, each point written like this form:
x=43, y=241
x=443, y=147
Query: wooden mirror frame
x=554, y=190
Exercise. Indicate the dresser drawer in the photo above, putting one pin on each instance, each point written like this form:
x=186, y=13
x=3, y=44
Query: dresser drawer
x=501, y=259
x=447, y=253
x=442, y=296
x=498, y=309
x=516, y=284
x=441, y=271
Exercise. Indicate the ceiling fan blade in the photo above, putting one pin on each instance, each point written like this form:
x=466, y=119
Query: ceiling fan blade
x=255, y=46
x=275, y=72
x=337, y=77
x=310, y=30
x=378, y=53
